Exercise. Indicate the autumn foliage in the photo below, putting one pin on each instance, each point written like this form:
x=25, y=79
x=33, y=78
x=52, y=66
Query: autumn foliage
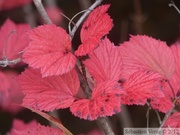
x=140, y=71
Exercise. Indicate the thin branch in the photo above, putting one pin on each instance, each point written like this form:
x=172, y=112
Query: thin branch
x=158, y=116
x=172, y=4
x=167, y=114
x=147, y=116
x=71, y=20
x=84, y=84
x=105, y=126
x=6, y=62
x=41, y=10
x=95, y=4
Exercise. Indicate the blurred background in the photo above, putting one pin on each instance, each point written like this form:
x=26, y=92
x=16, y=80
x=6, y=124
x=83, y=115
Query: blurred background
x=131, y=17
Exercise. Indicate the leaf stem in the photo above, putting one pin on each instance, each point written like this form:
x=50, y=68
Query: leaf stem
x=41, y=10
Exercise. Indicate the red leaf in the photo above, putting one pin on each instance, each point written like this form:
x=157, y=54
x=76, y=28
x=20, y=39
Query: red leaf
x=143, y=52
x=48, y=93
x=105, y=62
x=33, y=128
x=163, y=104
x=105, y=101
x=140, y=86
x=49, y=50
x=173, y=121
x=16, y=42
x=97, y=25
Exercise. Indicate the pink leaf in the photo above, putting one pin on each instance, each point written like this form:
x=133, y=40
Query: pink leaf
x=105, y=101
x=140, y=86
x=105, y=62
x=16, y=42
x=173, y=121
x=49, y=50
x=97, y=25
x=48, y=93
x=163, y=104
x=143, y=52
x=33, y=128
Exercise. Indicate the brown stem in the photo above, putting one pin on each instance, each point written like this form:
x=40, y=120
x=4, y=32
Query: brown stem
x=83, y=83
x=104, y=124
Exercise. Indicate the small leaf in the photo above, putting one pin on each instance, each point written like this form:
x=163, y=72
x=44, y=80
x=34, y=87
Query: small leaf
x=143, y=52
x=105, y=101
x=49, y=50
x=97, y=25
x=105, y=62
x=48, y=93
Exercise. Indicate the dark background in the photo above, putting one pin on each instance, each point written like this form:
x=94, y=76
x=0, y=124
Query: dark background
x=150, y=17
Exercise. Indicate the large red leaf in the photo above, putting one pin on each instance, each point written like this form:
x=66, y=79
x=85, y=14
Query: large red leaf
x=143, y=52
x=105, y=101
x=33, y=128
x=48, y=93
x=97, y=25
x=49, y=50
x=105, y=62
x=140, y=86
x=16, y=42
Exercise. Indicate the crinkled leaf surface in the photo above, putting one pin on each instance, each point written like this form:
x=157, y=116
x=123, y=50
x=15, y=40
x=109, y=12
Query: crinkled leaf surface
x=105, y=62
x=48, y=93
x=97, y=25
x=16, y=42
x=140, y=86
x=143, y=52
x=105, y=101
x=49, y=50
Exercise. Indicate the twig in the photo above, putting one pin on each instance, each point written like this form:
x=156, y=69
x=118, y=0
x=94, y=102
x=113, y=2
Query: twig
x=172, y=4
x=6, y=62
x=105, y=126
x=95, y=4
x=167, y=115
x=158, y=116
x=83, y=83
x=42, y=11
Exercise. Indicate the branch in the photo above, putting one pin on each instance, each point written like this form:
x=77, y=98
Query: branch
x=95, y=4
x=42, y=11
x=172, y=4
x=105, y=126
x=6, y=62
